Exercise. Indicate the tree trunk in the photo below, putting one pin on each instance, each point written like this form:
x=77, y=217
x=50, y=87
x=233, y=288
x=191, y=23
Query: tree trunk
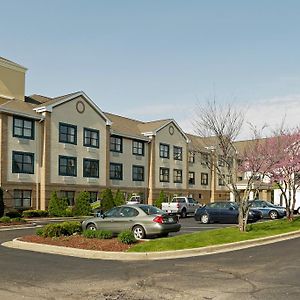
x=243, y=215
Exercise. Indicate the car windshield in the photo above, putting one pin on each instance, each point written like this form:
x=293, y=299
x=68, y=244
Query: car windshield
x=151, y=210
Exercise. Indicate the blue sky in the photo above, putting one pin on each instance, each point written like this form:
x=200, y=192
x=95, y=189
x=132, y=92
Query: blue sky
x=157, y=59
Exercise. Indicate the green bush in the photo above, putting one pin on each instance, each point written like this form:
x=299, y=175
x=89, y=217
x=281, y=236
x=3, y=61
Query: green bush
x=1, y=203
x=39, y=231
x=57, y=207
x=61, y=229
x=119, y=198
x=5, y=219
x=82, y=205
x=98, y=234
x=35, y=213
x=13, y=214
x=127, y=237
x=20, y=220
x=160, y=200
x=107, y=200
x=69, y=212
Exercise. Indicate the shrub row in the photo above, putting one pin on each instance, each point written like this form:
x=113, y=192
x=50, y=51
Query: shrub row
x=6, y=219
x=98, y=234
x=35, y=213
x=60, y=229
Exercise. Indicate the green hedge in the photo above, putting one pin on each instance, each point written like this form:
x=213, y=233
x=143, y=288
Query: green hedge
x=60, y=229
x=127, y=237
x=5, y=219
x=35, y=213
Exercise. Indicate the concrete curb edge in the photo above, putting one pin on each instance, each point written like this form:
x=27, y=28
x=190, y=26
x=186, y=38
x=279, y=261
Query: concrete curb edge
x=125, y=256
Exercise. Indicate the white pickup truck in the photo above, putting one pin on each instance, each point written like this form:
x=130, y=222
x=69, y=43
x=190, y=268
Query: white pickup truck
x=180, y=205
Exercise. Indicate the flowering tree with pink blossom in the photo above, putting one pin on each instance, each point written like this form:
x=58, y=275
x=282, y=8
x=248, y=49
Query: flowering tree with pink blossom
x=284, y=174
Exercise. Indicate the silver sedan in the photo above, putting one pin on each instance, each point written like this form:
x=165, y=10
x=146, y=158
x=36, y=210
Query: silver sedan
x=144, y=220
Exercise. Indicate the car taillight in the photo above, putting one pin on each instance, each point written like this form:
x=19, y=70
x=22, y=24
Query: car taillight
x=158, y=219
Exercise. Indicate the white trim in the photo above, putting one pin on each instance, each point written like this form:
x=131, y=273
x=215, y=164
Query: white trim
x=89, y=100
x=16, y=113
x=7, y=97
x=11, y=65
x=148, y=133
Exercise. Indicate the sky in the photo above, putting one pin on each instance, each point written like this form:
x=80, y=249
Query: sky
x=159, y=59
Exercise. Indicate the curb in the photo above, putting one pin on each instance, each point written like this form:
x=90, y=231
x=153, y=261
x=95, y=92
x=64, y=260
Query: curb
x=135, y=256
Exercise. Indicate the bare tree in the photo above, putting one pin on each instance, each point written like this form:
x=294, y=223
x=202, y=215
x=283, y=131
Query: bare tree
x=224, y=124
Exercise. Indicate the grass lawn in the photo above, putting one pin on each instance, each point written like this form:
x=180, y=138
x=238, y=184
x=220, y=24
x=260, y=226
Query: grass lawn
x=218, y=236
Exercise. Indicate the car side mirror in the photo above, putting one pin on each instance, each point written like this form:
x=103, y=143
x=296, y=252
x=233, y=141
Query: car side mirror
x=231, y=208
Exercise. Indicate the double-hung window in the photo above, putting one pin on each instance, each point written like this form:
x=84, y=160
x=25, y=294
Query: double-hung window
x=67, y=166
x=137, y=148
x=23, y=128
x=191, y=177
x=69, y=195
x=116, y=144
x=164, y=150
x=164, y=174
x=91, y=168
x=67, y=133
x=204, y=179
x=116, y=171
x=91, y=137
x=22, y=198
x=22, y=162
x=191, y=157
x=137, y=173
x=177, y=152
x=177, y=176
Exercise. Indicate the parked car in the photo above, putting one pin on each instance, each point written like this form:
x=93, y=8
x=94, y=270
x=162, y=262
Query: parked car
x=134, y=200
x=268, y=209
x=223, y=212
x=180, y=205
x=144, y=220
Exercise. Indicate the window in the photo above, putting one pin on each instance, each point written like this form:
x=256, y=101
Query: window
x=115, y=144
x=164, y=174
x=69, y=195
x=22, y=198
x=221, y=181
x=137, y=148
x=23, y=128
x=137, y=173
x=204, y=179
x=177, y=176
x=67, y=166
x=204, y=159
x=22, y=162
x=191, y=157
x=93, y=196
x=90, y=168
x=116, y=171
x=221, y=161
x=67, y=133
x=191, y=177
x=164, y=150
x=91, y=138
x=177, y=152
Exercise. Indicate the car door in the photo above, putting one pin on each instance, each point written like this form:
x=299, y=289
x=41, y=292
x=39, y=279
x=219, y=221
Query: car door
x=230, y=213
x=110, y=220
x=127, y=218
x=191, y=205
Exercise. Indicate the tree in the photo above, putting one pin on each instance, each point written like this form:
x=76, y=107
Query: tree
x=285, y=172
x=82, y=205
x=57, y=207
x=119, y=198
x=1, y=203
x=219, y=127
x=107, y=199
x=160, y=200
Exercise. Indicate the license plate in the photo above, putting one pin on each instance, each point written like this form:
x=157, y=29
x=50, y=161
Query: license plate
x=170, y=220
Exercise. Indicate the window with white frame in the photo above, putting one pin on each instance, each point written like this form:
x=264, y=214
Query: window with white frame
x=137, y=148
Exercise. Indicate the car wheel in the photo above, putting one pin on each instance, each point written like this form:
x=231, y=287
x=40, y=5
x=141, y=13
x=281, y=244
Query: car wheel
x=183, y=213
x=273, y=214
x=205, y=219
x=91, y=226
x=138, y=232
x=298, y=211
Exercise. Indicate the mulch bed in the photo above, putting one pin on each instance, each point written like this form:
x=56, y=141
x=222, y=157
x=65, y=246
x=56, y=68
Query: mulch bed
x=13, y=223
x=80, y=242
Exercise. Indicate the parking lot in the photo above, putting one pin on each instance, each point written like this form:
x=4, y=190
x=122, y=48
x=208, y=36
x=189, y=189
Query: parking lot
x=189, y=225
